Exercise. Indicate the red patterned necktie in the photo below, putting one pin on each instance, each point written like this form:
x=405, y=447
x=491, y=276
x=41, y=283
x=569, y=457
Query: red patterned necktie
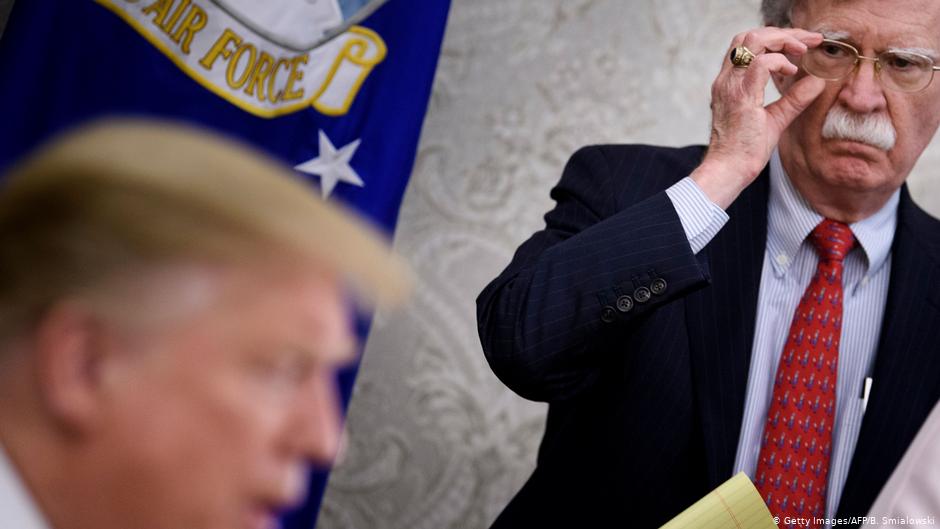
x=793, y=465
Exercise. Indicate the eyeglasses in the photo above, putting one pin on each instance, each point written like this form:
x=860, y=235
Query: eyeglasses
x=898, y=70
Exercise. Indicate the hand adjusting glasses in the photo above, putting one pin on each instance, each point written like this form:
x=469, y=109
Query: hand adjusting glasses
x=905, y=71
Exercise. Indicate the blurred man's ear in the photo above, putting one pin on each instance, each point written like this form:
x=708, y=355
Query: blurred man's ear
x=69, y=358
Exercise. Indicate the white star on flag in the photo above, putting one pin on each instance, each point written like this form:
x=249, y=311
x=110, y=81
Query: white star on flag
x=332, y=165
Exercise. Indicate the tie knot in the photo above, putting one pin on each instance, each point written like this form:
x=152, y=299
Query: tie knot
x=833, y=240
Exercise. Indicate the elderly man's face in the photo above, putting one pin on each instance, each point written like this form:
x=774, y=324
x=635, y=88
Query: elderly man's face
x=871, y=26
x=214, y=418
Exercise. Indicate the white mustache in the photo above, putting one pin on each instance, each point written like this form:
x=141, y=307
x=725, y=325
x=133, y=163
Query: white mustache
x=873, y=129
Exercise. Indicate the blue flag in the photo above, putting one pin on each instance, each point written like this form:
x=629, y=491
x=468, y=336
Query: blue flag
x=346, y=112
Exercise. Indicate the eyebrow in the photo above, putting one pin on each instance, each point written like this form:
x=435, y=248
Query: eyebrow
x=834, y=35
x=917, y=51
x=844, y=35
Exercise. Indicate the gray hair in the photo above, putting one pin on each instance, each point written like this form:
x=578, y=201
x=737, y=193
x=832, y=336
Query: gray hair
x=777, y=12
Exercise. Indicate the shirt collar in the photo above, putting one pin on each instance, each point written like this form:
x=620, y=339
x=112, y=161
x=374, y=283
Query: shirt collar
x=17, y=507
x=790, y=219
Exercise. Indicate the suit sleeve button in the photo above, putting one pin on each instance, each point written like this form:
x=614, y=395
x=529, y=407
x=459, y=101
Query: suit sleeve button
x=608, y=314
x=624, y=303
x=658, y=286
x=642, y=295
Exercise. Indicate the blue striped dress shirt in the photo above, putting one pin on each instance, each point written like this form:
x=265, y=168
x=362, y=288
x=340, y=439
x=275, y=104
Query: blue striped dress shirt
x=789, y=264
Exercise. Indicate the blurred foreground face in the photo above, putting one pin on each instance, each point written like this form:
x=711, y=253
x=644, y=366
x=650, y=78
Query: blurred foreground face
x=170, y=327
x=218, y=404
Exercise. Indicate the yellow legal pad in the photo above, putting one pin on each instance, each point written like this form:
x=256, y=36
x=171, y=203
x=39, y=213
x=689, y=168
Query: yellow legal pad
x=735, y=504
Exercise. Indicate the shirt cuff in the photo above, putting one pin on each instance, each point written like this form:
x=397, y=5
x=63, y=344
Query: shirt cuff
x=701, y=218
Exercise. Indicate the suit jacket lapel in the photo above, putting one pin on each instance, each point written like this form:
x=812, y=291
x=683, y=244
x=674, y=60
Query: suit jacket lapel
x=906, y=374
x=721, y=322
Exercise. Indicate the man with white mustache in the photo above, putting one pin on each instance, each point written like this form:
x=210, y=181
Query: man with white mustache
x=768, y=304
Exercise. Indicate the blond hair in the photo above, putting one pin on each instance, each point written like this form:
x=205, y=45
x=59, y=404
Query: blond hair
x=118, y=195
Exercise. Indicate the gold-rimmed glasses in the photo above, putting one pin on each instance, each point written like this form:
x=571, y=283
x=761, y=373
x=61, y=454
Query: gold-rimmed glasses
x=905, y=71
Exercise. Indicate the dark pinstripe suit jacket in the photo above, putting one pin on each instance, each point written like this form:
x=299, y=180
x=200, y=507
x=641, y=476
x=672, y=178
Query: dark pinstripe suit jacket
x=646, y=405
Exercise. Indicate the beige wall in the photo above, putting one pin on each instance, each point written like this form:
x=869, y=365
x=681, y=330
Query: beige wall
x=435, y=439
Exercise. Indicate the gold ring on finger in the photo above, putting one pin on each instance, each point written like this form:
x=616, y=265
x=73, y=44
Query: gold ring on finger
x=741, y=57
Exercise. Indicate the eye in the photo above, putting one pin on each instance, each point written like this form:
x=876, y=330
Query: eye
x=906, y=62
x=900, y=63
x=833, y=50
x=284, y=369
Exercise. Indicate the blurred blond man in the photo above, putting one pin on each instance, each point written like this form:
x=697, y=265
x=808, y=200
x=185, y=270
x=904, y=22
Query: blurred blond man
x=173, y=307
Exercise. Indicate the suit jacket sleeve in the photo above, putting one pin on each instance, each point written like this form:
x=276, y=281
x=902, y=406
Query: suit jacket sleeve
x=550, y=320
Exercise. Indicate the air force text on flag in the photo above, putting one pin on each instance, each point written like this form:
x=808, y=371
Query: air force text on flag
x=335, y=88
x=269, y=73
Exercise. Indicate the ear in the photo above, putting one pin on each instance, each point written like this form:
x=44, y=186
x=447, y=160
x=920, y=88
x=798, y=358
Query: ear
x=69, y=365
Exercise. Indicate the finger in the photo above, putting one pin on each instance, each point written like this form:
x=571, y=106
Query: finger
x=747, y=85
x=758, y=73
x=793, y=42
x=772, y=38
x=794, y=101
x=778, y=40
x=754, y=77
x=765, y=64
x=810, y=38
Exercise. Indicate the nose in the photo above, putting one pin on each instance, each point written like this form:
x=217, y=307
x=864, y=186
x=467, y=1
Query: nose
x=862, y=91
x=316, y=431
